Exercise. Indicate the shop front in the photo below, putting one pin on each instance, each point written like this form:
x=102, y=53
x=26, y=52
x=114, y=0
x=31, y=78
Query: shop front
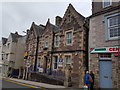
x=104, y=62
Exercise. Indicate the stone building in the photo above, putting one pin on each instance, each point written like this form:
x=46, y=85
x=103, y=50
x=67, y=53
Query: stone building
x=104, y=46
x=12, y=55
x=45, y=49
x=60, y=45
x=31, y=48
x=70, y=45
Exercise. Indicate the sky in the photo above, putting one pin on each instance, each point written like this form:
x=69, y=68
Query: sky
x=18, y=16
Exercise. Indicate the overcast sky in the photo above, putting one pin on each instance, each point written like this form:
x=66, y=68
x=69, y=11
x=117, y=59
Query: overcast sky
x=18, y=16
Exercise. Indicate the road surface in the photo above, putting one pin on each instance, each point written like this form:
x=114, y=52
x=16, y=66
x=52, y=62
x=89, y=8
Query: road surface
x=13, y=85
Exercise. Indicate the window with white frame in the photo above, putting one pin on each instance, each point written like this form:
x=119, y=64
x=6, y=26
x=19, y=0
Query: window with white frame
x=56, y=41
x=107, y=3
x=114, y=27
x=55, y=58
x=68, y=38
x=67, y=60
x=46, y=42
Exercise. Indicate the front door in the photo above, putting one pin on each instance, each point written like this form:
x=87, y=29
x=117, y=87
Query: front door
x=105, y=74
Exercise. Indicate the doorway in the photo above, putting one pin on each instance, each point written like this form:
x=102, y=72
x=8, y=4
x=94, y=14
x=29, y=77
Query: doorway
x=105, y=73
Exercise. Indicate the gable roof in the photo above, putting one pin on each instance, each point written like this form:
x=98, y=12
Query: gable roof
x=39, y=29
x=77, y=15
x=54, y=28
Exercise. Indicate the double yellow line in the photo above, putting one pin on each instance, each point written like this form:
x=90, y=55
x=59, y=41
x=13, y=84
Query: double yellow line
x=28, y=85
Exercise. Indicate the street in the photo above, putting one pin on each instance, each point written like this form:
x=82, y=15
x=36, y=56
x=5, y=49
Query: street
x=9, y=84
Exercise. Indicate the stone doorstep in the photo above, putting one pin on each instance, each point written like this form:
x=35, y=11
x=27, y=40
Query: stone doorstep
x=42, y=85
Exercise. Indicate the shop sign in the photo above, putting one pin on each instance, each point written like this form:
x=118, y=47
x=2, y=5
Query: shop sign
x=105, y=49
x=117, y=54
x=60, y=62
x=40, y=69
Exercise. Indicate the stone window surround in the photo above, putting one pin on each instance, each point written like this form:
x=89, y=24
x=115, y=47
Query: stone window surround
x=45, y=41
x=107, y=38
x=65, y=43
x=54, y=62
x=40, y=60
x=57, y=40
x=65, y=59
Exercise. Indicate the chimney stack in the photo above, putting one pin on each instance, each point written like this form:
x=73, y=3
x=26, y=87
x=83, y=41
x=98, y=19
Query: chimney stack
x=58, y=20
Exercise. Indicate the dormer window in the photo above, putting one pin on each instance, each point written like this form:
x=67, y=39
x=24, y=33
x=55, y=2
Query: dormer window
x=107, y=3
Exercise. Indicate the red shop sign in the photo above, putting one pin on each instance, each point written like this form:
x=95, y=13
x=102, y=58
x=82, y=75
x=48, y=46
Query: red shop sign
x=117, y=54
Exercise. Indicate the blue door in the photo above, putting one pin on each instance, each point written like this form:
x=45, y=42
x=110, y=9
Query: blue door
x=105, y=74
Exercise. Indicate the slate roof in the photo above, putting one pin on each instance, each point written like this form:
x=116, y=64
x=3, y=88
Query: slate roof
x=39, y=30
x=4, y=40
x=55, y=28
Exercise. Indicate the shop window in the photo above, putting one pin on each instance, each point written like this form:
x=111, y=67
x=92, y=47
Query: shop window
x=55, y=62
x=46, y=42
x=68, y=38
x=105, y=55
x=56, y=41
x=68, y=60
x=107, y=3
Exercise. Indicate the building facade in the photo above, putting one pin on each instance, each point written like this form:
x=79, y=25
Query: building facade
x=12, y=55
x=31, y=48
x=104, y=46
x=70, y=45
x=2, y=57
x=61, y=45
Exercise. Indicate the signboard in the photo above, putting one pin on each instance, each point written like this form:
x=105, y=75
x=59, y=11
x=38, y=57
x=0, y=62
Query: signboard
x=28, y=63
x=105, y=49
x=40, y=69
x=60, y=62
x=117, y=54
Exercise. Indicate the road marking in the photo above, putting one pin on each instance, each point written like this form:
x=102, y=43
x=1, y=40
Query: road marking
x=24, y=84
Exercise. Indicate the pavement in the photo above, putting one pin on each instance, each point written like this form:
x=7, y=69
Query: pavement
x=35, y=84
x=31, y=84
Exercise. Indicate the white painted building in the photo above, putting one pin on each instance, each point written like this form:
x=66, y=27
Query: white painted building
x=2, y=48
x=13, y=54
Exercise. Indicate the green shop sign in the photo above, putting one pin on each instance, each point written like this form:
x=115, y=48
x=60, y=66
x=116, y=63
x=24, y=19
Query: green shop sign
x=105, y=49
